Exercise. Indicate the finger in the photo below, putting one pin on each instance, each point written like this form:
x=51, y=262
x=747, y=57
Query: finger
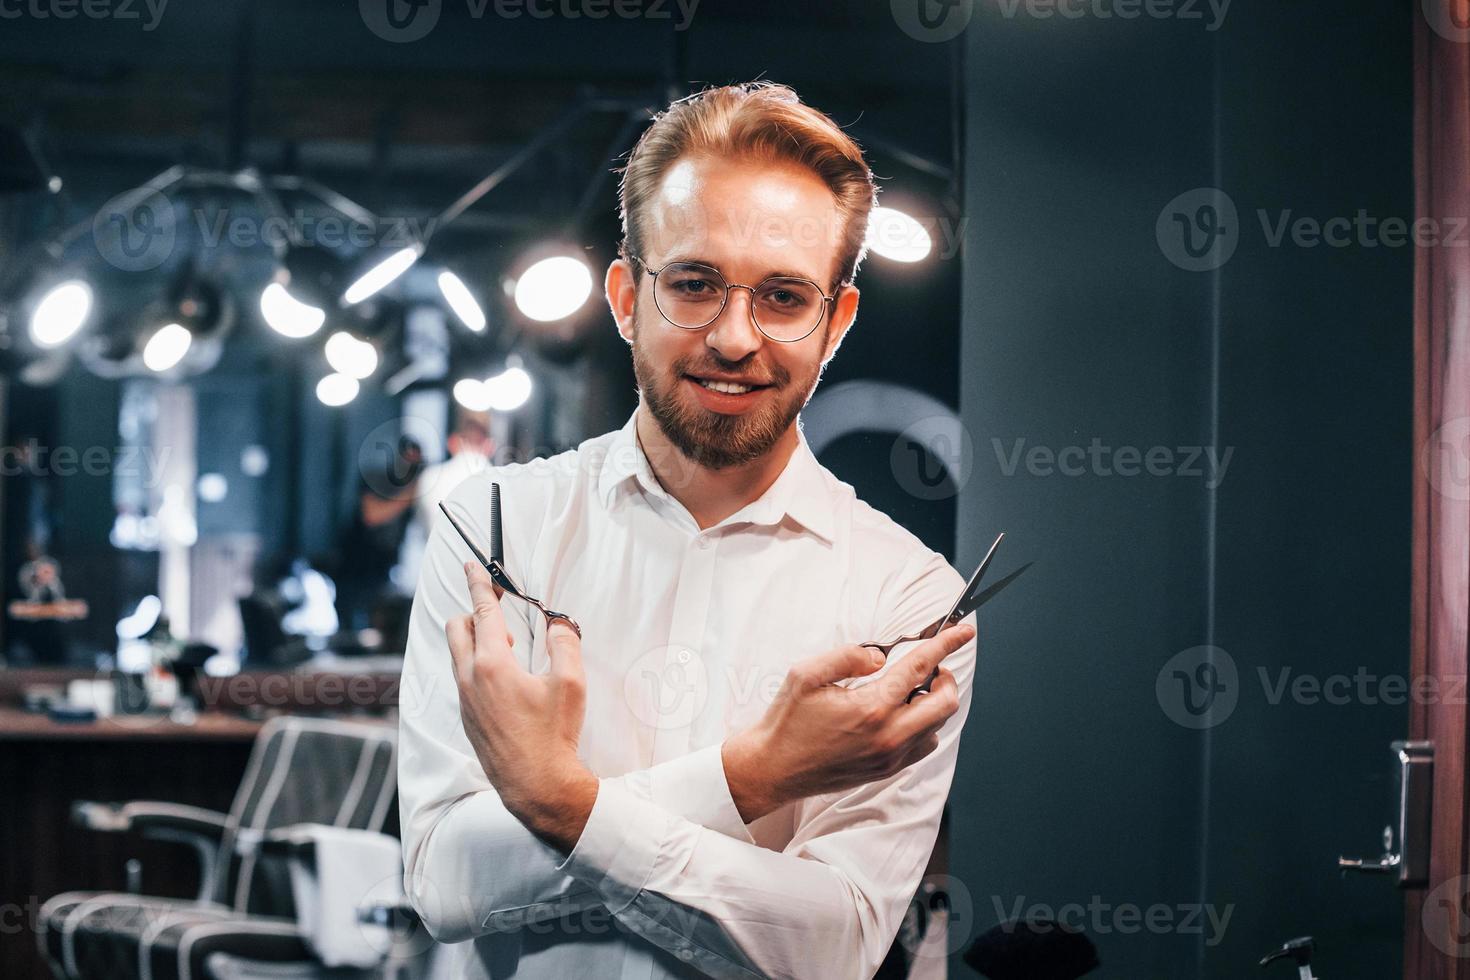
x=490, y=628
x=460, y=632
x=916, y=665
x=929, y=712
x=834, y=665
x=564, y=648
x=924, y=747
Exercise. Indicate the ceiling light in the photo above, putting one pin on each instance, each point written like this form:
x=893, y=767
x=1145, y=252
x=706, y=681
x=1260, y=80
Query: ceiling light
x=336, y=390
x=167, y=347
x=61, y=313
x=553, y=288
x=287, y=315
x=347, y=355
x=379, y=276
x=461, y=301
x=895, y=235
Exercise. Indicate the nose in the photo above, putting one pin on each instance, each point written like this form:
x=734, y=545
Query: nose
x=734, y=333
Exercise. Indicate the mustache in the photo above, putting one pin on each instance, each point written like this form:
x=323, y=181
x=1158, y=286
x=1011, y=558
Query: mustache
x=777, y=377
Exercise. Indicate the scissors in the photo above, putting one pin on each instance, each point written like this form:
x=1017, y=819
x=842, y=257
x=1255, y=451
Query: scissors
x=971, y=599
x=495, y=564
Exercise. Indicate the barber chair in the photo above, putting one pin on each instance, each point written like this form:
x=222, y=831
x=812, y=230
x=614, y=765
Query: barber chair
x=307, y=780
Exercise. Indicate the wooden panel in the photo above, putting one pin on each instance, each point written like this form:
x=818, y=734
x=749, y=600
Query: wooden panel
x=1441, y=555
x=45, y=854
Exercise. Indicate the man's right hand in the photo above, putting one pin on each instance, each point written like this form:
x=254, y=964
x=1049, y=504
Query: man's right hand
x=820, y=737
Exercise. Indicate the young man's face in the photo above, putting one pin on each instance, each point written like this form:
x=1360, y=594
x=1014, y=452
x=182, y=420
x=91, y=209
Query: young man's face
x=749, y=221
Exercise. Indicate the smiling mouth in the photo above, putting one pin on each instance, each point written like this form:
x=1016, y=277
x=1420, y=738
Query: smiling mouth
x=725, y=387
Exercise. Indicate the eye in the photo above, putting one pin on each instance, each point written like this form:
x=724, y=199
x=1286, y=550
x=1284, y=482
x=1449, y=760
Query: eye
x=692, y=286
x=787, y=297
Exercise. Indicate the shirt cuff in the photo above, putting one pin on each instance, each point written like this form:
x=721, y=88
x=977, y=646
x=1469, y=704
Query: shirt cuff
x=694, y=786
x=618, y=846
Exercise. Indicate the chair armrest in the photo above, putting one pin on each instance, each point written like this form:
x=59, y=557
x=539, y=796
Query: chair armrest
x=195, y=826
x=400, y=917
x=145, y=816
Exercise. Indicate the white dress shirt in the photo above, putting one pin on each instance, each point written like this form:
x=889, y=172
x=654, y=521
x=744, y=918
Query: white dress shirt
x=686, y=638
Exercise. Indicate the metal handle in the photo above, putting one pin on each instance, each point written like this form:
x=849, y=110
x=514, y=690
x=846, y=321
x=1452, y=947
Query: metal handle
x=1382, y=866
x=1414, y=775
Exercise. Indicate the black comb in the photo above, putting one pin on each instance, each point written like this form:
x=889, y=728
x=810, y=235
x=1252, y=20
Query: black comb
x=497, y=549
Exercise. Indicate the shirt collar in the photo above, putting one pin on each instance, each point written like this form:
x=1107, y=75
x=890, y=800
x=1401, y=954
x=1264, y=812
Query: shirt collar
x=800, y=492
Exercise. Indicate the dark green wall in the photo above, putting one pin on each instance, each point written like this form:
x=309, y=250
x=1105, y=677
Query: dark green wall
x=1074, y=783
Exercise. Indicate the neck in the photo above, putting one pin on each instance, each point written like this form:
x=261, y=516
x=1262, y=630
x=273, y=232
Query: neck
x=709, y=495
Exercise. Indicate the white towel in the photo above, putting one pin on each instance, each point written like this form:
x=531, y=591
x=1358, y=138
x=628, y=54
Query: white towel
x=352, y=869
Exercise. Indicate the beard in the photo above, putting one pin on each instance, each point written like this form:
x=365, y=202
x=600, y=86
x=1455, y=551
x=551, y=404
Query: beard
x=711, y=439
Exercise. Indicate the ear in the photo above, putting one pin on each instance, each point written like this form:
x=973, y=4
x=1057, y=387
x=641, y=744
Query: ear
x=844, y=315
x=621, y=285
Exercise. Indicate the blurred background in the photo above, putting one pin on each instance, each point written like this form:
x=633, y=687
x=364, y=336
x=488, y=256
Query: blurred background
x=274, y=275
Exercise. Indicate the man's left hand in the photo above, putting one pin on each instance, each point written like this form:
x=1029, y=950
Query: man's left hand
x=524, y=727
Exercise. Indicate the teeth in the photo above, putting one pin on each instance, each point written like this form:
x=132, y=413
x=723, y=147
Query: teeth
x=725, y=386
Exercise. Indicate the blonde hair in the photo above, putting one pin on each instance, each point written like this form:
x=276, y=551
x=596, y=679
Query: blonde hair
x=763, y=121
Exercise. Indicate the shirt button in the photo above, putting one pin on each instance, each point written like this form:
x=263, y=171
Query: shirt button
x=686, y=954
x=684, y=656
x=702, y=544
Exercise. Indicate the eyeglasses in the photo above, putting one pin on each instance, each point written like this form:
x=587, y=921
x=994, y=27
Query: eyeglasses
x=692, y=296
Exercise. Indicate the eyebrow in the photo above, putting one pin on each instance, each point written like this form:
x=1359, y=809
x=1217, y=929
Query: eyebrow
x=770, y=274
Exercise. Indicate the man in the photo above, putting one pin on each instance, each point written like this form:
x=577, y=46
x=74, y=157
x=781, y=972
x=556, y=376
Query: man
x=468, y=451
x=715, y=780
x=369, y=542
